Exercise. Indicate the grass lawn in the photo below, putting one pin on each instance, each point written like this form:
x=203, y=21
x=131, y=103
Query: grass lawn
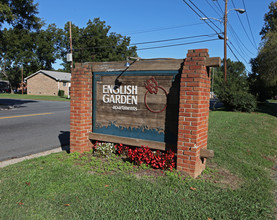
x=33, y=97
x=272, y=101
x=236, y=185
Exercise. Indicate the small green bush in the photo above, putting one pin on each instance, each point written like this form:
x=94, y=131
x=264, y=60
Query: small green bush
x=61, y=93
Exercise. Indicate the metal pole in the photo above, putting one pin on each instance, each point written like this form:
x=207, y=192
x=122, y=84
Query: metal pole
x=225, y=41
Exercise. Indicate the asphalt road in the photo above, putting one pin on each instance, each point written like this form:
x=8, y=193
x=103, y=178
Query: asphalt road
x=32, y=126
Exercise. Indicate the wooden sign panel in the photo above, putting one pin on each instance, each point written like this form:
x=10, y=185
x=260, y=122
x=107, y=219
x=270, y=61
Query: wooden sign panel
x=137, y=104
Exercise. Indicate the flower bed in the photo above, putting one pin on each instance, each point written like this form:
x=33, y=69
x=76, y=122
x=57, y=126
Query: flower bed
x=138, y=155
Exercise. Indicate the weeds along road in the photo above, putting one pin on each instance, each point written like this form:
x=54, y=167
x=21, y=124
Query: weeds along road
x=31, y=126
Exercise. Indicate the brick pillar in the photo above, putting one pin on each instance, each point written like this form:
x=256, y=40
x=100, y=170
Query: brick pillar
x=80, y=108
x=193, y=113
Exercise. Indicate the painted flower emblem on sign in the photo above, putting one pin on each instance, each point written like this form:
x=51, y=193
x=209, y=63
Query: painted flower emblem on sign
x=152, y=87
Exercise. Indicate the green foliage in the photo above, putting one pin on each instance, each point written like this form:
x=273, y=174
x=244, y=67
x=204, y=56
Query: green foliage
x=259, y=87
x=94, y=43
x=49, y=46
x=104, y=149
x=265, y=62
x=16, y=43
x=20, y=14
x=263, y=80
x=61, y=93
x=174, y=174
x=234, y=93
x=270, y=20
x=112, y=164
x=75, y=155
x=237, y=100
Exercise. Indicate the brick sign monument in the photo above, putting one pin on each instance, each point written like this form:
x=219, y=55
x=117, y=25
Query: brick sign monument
x=159, y=103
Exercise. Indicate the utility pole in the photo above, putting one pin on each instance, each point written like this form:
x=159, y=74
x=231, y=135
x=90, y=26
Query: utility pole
x=22, y=81
x=239, y=10
x=225, y=40
x=70, y=39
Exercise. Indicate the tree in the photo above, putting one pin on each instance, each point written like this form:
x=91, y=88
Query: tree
x=270, y=24
x=234, y=93
x=32, y=50
x=16, y=50
x=95, y=43
x=19, y=13
x=263, y=79
x=49, y=46
x=16, y=42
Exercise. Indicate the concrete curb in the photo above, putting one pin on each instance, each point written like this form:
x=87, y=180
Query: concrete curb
x=17, y=160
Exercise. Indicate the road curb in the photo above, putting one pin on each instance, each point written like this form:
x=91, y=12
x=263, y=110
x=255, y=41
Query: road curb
x=17, y=160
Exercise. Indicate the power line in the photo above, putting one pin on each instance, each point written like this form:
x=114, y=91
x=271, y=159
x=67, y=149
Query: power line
x=173, y=45
x=150, y=42
x=238, y=52
x=163, y=28
x=205, y=15
x=180, y=38
x=214, y=8
x=200, y=16
x=158, y=47
x=237, y=37
x=219, y=6
x=236, y=57
x=244, y=27
x=233, y=52
x=238, y=43
x=249, y=24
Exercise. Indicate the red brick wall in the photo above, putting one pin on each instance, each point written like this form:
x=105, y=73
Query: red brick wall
x=80, y=108
x=193, y=113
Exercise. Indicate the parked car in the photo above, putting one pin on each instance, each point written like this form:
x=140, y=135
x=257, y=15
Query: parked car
x=4, y=87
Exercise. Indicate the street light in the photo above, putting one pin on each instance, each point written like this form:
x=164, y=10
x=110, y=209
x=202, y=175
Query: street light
x=239, y=10
x=127, y=64
x=204, y=19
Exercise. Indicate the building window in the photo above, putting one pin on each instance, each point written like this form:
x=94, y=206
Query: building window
x=64, y=83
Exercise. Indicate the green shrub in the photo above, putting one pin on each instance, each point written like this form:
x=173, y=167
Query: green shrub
x=61, y=93
x=237, y=100
x=234, y=93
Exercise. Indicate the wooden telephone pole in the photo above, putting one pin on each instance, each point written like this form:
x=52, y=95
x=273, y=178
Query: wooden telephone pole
x=70, y=39
x=22, y=85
